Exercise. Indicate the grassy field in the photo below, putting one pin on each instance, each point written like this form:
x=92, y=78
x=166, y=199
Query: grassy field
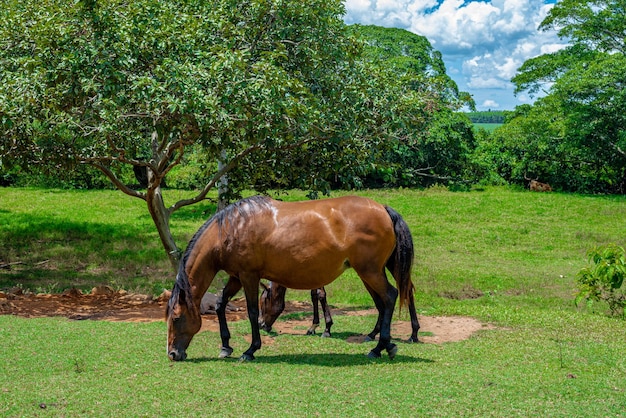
x=506, y=257
x=489, y=127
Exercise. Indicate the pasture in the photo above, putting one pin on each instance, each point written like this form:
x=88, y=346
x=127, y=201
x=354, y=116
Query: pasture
x=489, y=127
x=504, y=256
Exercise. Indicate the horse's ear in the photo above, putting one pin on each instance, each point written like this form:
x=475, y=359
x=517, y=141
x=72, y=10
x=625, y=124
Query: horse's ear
x=264, y=286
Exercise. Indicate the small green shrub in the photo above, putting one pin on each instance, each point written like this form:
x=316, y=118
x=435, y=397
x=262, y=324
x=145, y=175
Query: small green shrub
x=603, y=280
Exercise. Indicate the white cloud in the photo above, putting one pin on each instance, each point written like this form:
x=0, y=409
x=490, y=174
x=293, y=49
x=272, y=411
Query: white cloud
x=486, y=82
x=482, y=42
x=550, y=48
x=357, y=7
x=507, y=68
x=490, y=104
x=455, y=27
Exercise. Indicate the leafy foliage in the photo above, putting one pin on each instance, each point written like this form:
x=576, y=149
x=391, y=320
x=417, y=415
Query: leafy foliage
x=111, y=84
x=603, y=280
x=581, y=119
x=428, y=141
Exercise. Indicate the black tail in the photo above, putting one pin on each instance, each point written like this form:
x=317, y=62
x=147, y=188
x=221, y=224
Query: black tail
x=401, y=260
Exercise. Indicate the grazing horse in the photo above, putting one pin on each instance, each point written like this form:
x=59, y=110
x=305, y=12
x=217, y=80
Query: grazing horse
x=273, y=304
x=300, y=245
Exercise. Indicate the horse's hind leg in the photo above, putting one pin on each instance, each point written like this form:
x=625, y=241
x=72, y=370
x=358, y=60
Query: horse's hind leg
x=380, y=306
x=232, y=287
x=415, y=325
x=388, y=294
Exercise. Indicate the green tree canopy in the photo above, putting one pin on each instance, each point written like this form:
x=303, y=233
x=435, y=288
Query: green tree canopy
x=585, y=100
x=110, y=83
x=430, y=141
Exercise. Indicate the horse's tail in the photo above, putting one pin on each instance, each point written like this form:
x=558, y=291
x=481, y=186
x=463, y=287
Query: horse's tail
x=401, y=260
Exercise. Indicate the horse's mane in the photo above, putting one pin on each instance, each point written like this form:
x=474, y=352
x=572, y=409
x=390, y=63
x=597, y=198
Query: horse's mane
x=243, y=208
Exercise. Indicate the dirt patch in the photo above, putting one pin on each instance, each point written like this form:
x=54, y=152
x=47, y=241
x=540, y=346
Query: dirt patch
x=439, y=329
x=105, y=304
x=467, y=292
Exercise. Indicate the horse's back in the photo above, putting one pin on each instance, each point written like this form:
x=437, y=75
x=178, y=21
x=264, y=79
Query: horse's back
x=313, y=242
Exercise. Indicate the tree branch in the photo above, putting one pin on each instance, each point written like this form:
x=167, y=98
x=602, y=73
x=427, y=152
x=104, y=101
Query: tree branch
x=116, y=181
x=228, y=167
x=211, y=184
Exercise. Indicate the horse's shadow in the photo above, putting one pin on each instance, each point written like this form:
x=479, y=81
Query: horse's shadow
x=323, y=359
x=320, y=359
x=349, y=337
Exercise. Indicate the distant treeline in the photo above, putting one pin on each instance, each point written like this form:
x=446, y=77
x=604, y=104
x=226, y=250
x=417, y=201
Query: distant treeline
x=490, y=116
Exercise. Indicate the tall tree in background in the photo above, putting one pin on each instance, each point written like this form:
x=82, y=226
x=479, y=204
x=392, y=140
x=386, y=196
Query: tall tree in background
x=586, y=97
x=109, y=83
x=402, y=126
x=432, y=145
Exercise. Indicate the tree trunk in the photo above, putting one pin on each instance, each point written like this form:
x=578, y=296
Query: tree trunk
x=160, y=214
x=161, y=217
x=222, y=183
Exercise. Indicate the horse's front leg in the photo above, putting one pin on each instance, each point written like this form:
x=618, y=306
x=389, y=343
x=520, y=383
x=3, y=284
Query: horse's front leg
x=316, y=312
x=232, y=287
x=328, y=319
x=251, y=289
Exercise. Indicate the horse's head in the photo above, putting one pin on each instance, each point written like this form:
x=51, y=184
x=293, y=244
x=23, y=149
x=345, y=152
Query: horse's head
x=272, y=305
x=183, y=322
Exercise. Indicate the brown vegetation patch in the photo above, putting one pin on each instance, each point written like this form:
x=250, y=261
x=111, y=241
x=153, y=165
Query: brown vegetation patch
x=467, y=292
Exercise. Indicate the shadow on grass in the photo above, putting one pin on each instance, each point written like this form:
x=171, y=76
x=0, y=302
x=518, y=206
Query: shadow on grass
x=22, y=229
x=51, y=281
x=43, y=250
x=322, y=359
x=199, y=212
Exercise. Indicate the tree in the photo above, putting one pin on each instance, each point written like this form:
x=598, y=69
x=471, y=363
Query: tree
x=113, y=84
x=586, y=82
x=429, y=141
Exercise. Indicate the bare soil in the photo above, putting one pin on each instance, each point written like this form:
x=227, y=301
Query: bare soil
x=105, y=304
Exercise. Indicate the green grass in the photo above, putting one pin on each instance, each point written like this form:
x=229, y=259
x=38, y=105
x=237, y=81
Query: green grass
x=519, y=250
x=80, y=239
x=545, y=364
x=489, y=127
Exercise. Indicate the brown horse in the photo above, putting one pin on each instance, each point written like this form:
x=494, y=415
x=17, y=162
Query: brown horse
x=273, y=304
x=301, y=245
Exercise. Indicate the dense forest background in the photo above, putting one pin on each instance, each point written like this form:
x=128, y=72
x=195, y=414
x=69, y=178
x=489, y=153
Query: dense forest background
x=293, y=98
x=490, y=116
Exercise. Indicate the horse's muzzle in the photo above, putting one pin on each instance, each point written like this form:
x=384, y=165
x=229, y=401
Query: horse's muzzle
x=176, y=355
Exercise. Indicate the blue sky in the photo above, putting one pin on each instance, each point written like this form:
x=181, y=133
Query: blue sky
x=483, y=42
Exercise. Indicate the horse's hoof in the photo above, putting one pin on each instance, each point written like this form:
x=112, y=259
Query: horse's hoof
x=368, y=339
x=246, y=357
x=392, y=351
x=413, y=340
x=326, y=334
x=310, y=332
x=372, y=354
x=225, y=352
